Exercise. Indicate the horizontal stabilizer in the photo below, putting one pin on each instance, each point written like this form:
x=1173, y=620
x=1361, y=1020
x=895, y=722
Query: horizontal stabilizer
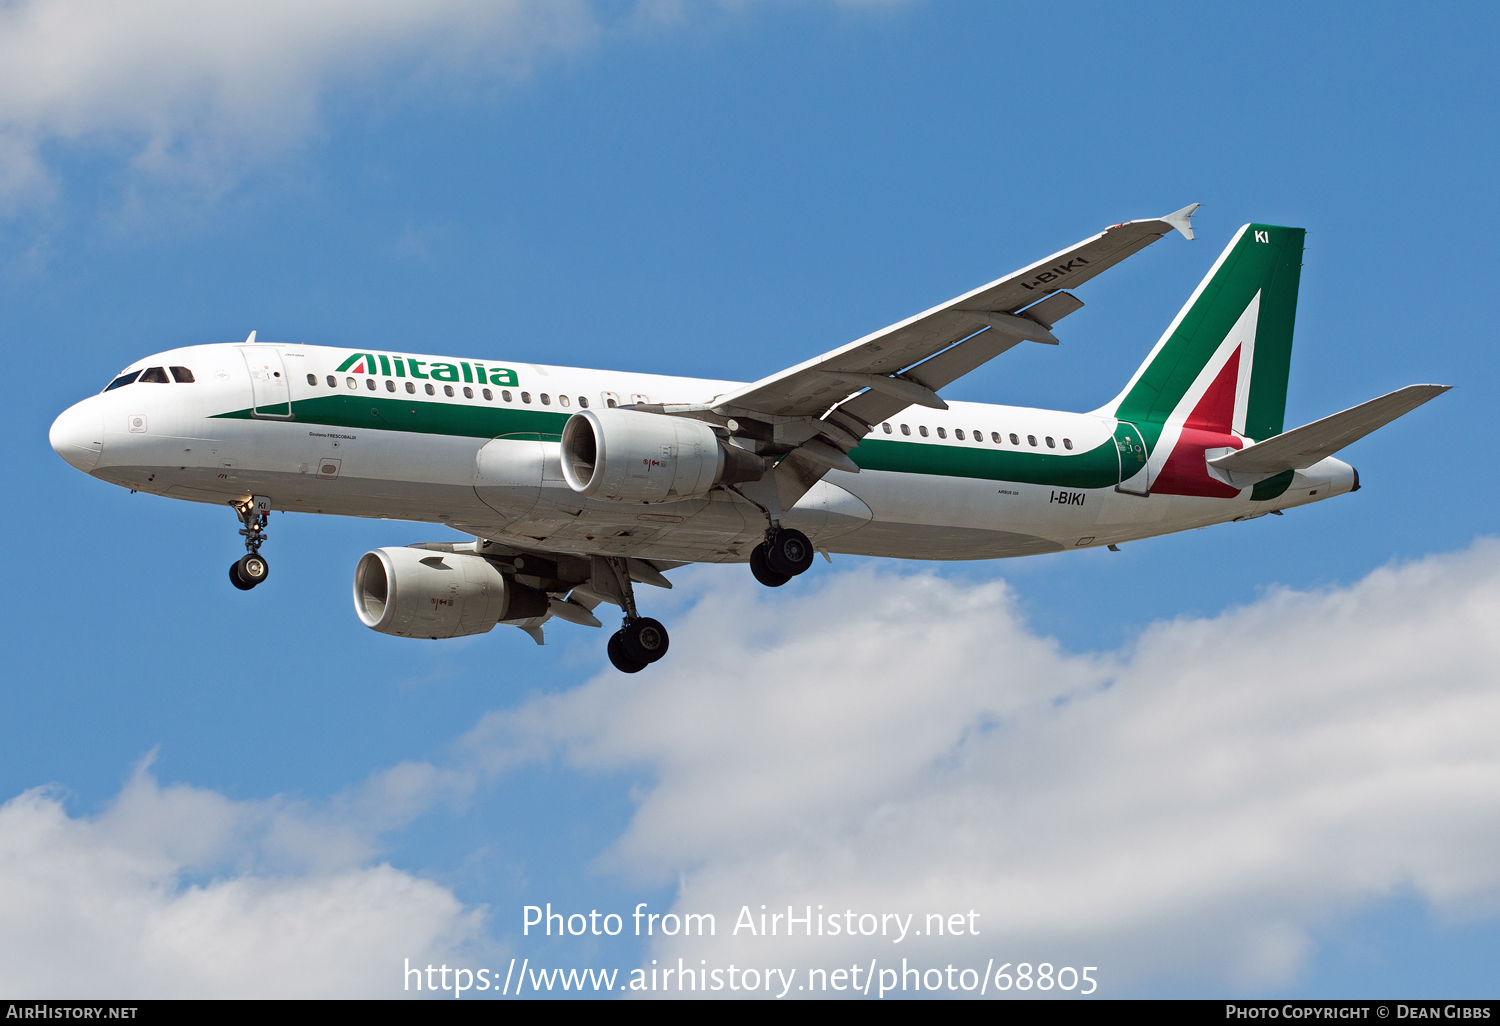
x=1301, y=447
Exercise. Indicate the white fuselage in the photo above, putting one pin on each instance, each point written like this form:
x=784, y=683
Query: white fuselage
x=374, y=443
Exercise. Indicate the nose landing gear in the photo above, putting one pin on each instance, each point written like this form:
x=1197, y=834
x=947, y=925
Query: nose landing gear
x=251, y=569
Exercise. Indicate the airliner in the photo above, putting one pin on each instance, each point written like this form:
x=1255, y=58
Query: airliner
x=576, y=485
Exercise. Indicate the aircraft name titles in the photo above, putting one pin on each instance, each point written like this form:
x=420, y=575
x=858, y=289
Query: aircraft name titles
x=411, y=367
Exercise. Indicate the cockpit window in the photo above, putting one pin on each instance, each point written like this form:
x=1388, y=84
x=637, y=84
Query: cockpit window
x=183, y=375
x=122, y=380
x=155, y=375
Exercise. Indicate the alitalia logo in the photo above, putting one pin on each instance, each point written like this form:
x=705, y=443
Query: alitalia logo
x=471, y=371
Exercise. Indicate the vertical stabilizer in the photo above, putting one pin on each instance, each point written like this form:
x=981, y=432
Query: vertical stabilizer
x=1222, y=364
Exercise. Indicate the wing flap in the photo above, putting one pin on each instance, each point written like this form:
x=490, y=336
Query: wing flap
x=1301, y=447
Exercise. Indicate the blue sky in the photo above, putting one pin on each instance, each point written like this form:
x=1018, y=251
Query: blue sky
x=722, y=190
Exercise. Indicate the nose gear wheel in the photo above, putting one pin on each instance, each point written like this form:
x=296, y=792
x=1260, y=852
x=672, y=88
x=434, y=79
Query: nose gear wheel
x=248, y=571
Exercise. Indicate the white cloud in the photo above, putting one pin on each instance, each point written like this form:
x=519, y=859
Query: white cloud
x=1197, y=806
x=181, y=892
x=198, y=90
x=196, y=93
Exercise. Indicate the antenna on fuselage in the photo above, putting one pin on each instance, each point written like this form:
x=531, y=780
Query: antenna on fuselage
x=250, y=338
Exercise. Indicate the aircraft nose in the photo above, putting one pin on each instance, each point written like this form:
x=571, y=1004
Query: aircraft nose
x=78, y=435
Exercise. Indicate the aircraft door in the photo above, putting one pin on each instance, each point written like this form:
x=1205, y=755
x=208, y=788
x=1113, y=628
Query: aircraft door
x=1135, y=467
x=508, y=474
x=269, y=393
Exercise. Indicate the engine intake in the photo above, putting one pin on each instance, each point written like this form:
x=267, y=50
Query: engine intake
x=628, y=456
x=418, y=593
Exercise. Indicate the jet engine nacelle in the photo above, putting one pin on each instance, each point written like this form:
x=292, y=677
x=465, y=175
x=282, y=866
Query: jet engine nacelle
x=419, y=593
x=628, y=456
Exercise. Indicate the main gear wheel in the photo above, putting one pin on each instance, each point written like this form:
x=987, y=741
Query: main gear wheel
x=788, y=551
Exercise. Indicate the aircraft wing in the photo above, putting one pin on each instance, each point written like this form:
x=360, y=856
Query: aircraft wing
x=1301, y=447
x=906, y=363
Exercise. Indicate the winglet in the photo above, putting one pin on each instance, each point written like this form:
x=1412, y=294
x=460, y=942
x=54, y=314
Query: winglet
x=1182, y=219
x=251, y=339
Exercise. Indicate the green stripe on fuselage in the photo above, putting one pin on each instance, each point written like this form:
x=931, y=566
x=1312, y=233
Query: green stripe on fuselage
x=377, y=413
x=1097, y=468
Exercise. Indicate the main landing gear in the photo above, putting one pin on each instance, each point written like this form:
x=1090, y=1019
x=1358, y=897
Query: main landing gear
x=251, y=568
x=642, y=640
x=784, y=554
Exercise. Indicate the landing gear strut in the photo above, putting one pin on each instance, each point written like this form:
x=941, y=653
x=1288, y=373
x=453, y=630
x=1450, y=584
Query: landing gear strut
x=251, y=568
x=641, y=640
x=784, y=554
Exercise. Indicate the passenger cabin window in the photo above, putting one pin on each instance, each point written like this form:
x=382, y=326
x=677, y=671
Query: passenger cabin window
x=958, y=433
x=905, y=430
x=1067, y=443
x=546, y=399
x=155, y=375
x=411, y=388
x=942, y=432
x=563, y=400
x=525, y=397
x=488, y=395
x=583, y=402
x=182, y=375
x=370, y=384
x=1050, y=443
x=1031, y=439
x=1015, y=440
x=612, y=403
x=431, y=390
x=922, y=430
x=886, y=428
x=995, y=437
x=352, y=382
x=468, y=392
x=448, y=391
x=333, y=382
x=505, y=394
x=312, y=379
x=390, y=386
x=122, y=381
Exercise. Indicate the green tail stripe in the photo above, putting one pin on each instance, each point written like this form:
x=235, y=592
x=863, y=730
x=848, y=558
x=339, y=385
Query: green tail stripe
x=1262, y=258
